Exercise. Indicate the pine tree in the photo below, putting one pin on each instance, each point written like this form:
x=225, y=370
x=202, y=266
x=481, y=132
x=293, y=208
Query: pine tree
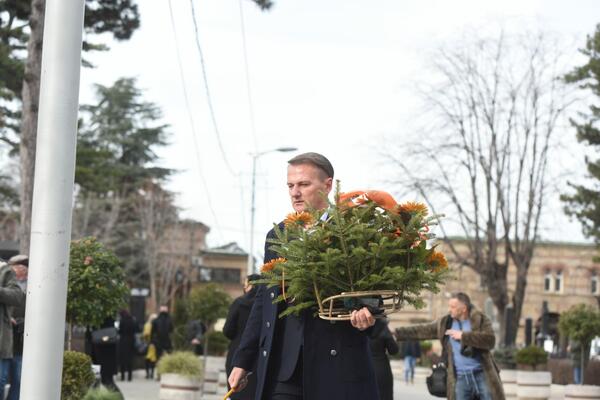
x=584, y=204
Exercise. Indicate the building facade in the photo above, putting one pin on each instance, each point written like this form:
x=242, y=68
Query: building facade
x=560, y=275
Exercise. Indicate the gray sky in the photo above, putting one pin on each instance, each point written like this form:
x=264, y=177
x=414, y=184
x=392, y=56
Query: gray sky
x=328, y=76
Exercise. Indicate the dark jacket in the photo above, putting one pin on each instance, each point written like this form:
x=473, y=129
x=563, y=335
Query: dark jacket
x=411, y=348
x=233, y=329
x=162, y=327
x=382, y=344
x=336, y=359
x=127, y=329
x=104, y=354
x=481, y=338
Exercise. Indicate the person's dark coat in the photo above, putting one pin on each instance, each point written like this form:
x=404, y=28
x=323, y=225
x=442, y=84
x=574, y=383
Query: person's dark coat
x=336, y=360
x=481, y=338
x=382, y=344
x=233, y=329
x=162, y=327
x=105, y=354
x=411, y=348
x=127, y=330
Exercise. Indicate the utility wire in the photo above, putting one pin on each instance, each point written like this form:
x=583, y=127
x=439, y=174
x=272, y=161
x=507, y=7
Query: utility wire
x=206, y=87
x=247, y=70
x=193, y=126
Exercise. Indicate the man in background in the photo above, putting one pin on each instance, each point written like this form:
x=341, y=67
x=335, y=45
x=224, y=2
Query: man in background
x=20, y=266
x=11, y=295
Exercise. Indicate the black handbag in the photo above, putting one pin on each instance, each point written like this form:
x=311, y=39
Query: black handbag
x=437, y=381
x=105, y=336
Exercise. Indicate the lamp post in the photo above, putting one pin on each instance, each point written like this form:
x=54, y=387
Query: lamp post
x=255, y=156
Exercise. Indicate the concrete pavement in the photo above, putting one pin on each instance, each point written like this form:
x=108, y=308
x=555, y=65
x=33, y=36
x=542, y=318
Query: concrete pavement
x=144, y=389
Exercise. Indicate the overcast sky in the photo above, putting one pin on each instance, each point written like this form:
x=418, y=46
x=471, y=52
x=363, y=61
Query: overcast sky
x=328, y=76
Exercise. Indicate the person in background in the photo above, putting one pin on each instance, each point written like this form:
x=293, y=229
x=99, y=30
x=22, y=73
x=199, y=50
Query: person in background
x=411, y=349
x=105, y=354
x=162, y=327
x=383, y=343
x=127, y=330
x=11, y=295
x=472, y=372
x=19, y=264
x=233, y=329
x=575, y=352
x=195, y=333
x=150, y=357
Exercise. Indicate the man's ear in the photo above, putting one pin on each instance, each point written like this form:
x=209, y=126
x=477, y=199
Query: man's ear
x=329, y=184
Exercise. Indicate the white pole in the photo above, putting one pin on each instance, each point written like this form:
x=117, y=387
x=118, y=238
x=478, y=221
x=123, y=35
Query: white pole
x=52, y=201
x=252, y=212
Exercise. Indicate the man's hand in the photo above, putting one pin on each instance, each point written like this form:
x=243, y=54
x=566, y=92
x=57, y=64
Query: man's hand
x=238, y=378
x=454, y=334
x=362, y=319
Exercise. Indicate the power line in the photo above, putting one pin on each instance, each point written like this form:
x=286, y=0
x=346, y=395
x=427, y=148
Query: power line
x=193, y=126
x=247, y=70
x=206, y=87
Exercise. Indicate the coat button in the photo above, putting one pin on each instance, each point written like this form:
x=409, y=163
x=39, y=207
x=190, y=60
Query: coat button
x=268, y=324
x=264, y=353
x=272, y=295
x=333, y=352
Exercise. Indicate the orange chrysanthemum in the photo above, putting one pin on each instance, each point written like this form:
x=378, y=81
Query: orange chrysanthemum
x=438, y=261
x=413, y=207
x=303, y=218
x=267, y=267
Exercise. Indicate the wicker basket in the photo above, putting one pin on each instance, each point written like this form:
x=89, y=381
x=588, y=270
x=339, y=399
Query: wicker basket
x=389, y=301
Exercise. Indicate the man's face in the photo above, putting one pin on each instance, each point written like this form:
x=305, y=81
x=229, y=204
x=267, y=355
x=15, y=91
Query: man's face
x=456, y=308
x=20, y=272
x=308, y=187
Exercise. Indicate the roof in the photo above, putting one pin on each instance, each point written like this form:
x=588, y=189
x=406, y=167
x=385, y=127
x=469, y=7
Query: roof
x=230, y=249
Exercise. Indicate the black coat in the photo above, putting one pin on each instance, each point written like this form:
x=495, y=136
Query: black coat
x=103, y=354
x=162, y=327
x=233, y=329
x=127, y=330
x=382, y=344
x=336, y=357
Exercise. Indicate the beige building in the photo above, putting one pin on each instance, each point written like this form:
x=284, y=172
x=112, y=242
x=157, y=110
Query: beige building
x=226, y=265
x=561, y=274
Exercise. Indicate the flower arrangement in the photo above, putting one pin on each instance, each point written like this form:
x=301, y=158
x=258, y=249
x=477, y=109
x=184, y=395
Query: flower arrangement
x=366, y=250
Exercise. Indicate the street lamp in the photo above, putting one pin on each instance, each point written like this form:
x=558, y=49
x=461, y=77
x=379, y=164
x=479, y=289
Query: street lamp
x=255, y=156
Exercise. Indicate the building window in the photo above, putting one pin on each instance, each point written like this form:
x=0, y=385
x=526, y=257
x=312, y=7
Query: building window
x=594, y=283
x=220, y=275
x=558, y=282
x=547, y=281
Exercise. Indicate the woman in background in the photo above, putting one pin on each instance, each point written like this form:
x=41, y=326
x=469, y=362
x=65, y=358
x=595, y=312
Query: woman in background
x=382, y=344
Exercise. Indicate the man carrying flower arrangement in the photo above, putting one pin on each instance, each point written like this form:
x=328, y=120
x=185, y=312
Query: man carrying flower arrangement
x=301, y=356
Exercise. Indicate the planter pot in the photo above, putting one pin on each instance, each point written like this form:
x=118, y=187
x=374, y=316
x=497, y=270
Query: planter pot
x=533, y=385
x=582, y=392
x=509, y=382
x=179, y=387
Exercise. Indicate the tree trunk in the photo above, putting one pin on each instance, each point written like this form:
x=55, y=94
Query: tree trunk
x=31, y=100
x=518, y=300
x=69, y=336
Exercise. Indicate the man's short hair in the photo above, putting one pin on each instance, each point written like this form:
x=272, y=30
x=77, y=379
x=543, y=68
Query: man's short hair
x=315, y=159
x=463, y=298
x=19, y=259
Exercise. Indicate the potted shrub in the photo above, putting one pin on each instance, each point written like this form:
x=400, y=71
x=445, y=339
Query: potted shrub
x=77, y=375
x=505, y=358
x=102, y=394
x=581, y=323
x=180, y=374
x=533, y=381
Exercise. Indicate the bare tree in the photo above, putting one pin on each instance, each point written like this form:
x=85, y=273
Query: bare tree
x=484, y=157
x=157, y=215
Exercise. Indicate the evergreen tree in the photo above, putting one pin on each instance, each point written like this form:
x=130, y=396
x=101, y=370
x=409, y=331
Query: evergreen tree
x=584, y=204
x=116, y=166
